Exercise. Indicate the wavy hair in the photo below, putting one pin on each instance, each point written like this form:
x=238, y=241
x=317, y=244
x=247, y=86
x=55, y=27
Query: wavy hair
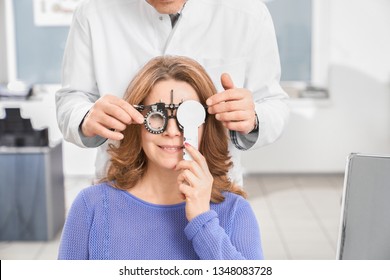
x=128, y=162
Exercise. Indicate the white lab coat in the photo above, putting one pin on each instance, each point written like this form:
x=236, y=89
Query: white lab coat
x=110, y=40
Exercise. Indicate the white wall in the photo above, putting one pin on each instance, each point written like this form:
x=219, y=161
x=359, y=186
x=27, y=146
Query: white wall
x=321, y=134
x=360, y=36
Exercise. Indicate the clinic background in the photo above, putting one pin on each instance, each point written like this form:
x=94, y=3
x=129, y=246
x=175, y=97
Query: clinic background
x=335, y=58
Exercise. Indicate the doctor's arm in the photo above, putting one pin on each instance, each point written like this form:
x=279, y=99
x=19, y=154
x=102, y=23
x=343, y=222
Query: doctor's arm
x=261, y=101
x=84, y=117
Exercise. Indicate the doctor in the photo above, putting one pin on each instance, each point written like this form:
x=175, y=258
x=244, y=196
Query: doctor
x=109, y=41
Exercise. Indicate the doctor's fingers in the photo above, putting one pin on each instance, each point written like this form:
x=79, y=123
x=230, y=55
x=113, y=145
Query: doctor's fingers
x=119, y=109
x=231, y=105
x=229, y=95
x=106, y=120
x=236, y=116
x=93, y=128
x=244, y=126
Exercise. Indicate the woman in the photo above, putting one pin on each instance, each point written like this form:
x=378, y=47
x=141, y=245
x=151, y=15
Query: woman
x=152, y=203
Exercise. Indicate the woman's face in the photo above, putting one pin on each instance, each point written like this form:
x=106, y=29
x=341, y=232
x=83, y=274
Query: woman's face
x=165, y=150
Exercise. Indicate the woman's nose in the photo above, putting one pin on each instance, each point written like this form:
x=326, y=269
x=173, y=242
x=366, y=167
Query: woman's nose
x=172, y=128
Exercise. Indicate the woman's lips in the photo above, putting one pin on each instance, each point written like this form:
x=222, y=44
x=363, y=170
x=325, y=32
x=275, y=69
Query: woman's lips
x=171, y=148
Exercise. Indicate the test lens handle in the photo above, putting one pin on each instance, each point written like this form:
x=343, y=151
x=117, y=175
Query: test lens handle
x=191, y=114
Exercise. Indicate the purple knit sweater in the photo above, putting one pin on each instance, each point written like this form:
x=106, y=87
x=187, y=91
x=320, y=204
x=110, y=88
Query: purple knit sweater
x=107, y=223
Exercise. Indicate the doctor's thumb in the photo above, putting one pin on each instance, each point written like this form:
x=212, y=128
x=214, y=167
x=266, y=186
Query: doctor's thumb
x=227, y=81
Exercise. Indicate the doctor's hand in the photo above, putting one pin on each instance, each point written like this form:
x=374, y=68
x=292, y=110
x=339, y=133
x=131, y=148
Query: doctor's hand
x=108, y=117
x=234, y=107
x=195, y=183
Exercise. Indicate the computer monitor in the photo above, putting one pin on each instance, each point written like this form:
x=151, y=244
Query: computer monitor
x=365, y=214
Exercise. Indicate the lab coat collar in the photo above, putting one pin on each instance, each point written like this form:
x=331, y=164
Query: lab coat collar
x=153, y=12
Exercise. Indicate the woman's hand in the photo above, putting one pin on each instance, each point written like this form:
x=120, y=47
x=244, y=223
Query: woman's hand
x=195, y=182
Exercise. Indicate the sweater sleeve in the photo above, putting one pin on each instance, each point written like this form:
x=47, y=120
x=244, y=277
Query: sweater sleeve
x=75, y=235
x=212, y=242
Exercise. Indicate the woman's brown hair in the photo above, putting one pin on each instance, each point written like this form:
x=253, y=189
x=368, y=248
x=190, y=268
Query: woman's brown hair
x=129, y=162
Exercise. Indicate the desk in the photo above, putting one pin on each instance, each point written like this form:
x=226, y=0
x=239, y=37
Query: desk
x=32, y=204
